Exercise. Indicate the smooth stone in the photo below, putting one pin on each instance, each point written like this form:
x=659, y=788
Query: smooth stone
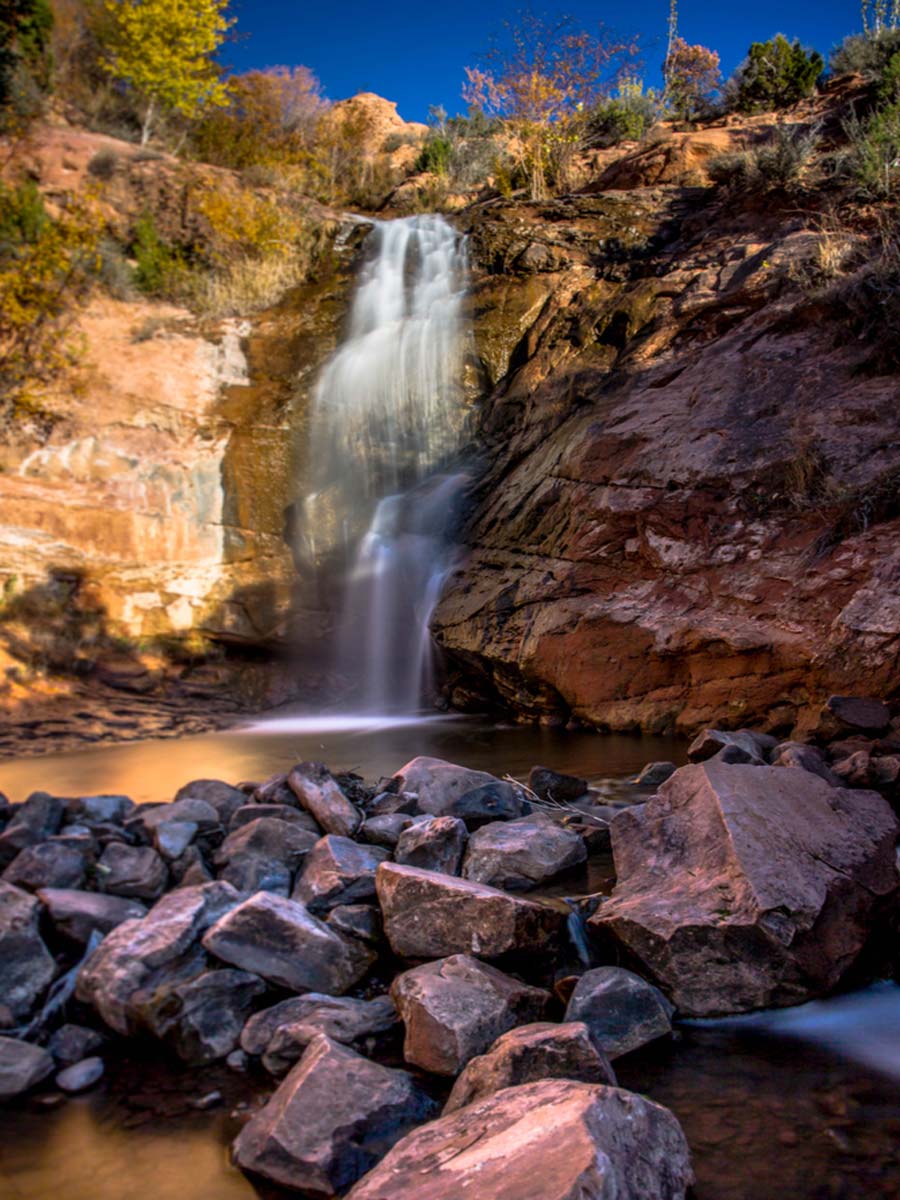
x=222, y=797
x=655, y=773
x=263, y=855
x=80, y=1076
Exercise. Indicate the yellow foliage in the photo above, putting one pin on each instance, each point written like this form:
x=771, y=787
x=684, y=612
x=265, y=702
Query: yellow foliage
x=247, y=223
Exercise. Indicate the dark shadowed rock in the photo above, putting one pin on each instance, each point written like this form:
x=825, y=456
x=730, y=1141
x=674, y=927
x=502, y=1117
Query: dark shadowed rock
x=37, y=819
x=427, y=915
x=552, y=1140
x=224, y=798
x=521, y=854
x=358, y=920
x=386, y=829
x=190, y=869
x=435, y=845
x=200, y=1018
x=342, y=1019
x=22, y=1067
x=160, y=948
x=530, y=1053
x=553, y=785
x=132, y=871
x=73, y=1043
x=263, y=855
x=48, y=864
x=80, y=1076
x=742, y=746
x=283, y=942
x=318, y=792
x=338, y=870
x=456, y=1008
x=655, y=773
x=805, y=758
x=331, y=1120
x=281, y=812
x=391, y=803
x=76, y=914
x=857, y=713
x=742, y=887
x=621, y=1010
x=101, y=808
x=447, y=790
x=26, y=967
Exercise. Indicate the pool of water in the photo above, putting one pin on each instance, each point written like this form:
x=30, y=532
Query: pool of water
x=156, y=769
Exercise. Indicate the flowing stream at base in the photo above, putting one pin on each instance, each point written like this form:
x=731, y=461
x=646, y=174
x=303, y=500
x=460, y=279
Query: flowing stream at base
x=388, y=417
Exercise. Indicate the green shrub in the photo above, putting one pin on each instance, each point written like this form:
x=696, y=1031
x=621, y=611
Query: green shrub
x=775, y=74
x=436, y=155
x=776, y=165
x=161, y=268
x=103, y=164
x=866, y=54
x=874, y=151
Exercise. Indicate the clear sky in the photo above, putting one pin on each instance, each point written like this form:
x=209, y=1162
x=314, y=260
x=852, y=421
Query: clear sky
x=414, y=51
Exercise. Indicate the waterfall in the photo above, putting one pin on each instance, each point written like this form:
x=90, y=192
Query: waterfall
x=388, y=417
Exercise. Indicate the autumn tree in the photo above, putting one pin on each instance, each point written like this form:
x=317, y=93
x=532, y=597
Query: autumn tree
x=163, y=50
x=692, y=77
x=543, y=79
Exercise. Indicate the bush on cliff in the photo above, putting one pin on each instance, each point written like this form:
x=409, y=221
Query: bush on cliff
x=775, y=74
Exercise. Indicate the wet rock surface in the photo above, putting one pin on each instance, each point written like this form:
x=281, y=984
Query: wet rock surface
x=621, y=1010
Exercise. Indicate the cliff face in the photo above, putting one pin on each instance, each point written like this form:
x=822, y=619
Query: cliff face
x=690, y=512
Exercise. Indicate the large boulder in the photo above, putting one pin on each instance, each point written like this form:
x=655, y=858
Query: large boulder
x=743, y=887
x=22, y=1067
x=447, y=790
x=435, y=845
x=337, y=871
x=162, y=947
x=200, y=1018
x=530, y=1053
x=522, y=854
x=320, y=794
x=76, y=914
x=427, y=915
x=26, y=967
x=263, y=855
x=552, y=1140
x=855, y=714
x=456, y=1008
x=281, y=941
x=621, y=1010
x=332, y=1119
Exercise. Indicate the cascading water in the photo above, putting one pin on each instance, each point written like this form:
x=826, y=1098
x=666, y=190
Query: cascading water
x=389, y=415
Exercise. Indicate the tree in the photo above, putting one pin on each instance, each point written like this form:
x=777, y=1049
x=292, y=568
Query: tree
x=25, y=29
x=543, y=81
x=879, y=15
x=164, y=49
x=775, y=74
x=692, y=77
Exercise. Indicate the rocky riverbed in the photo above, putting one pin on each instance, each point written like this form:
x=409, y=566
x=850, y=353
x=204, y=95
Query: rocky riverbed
x=380, y=969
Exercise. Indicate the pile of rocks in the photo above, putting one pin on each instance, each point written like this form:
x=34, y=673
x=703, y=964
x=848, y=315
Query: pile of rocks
x=325, y=930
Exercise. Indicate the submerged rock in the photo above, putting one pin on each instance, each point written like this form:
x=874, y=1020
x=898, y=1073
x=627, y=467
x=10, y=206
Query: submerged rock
x=553, y=1140
x=26, y=967
x=456, y=1008
x=427, y=915
x=743, y=887
x=621, y=1010
x=530, y=1053
x=22, y=1067
x=522, y=854
x=281, y=941
x=447, y=790
x=331, y=1120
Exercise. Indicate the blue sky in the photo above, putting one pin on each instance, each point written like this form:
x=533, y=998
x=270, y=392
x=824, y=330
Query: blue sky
x=414, y=51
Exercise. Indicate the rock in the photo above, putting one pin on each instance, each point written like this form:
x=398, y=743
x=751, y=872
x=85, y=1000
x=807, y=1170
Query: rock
x=392, y=803
x=743, y=745
x=237, y=1060
x=553, y=1140
x=337, y=871
x=76, y=914
x=435, y=845
x=72, y=1043
x=190, y=869
x=26, y=967
x=201, y=1018
x=263, y=855
x=522, y=854
x=331, y=1120
x=207, y=1101
x=172, y=838
x=191, y=810
x=48, y=864
x=317, y=791
x=34, y=821
x=102, y=808
x=427, y=915
x=456, y=1008
x=279, y=812
x=224, y=798
x=856, y=712
x=621, y=1010
x=342, y=1018
x=338, y=1017
x=386, y=829
x=162, y=947
x=22, y=1067
x=530, y=1053
x=283, y=942
x=854, y=771
x=655, y=773
x=447, y=790
x=743, y=887
x=551, y=785
x=80, y=1076
x=357, y=920
x=132, y=871
x=805, y=758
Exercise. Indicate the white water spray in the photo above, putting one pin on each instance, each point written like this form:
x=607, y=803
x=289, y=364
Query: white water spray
x=389, y=414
